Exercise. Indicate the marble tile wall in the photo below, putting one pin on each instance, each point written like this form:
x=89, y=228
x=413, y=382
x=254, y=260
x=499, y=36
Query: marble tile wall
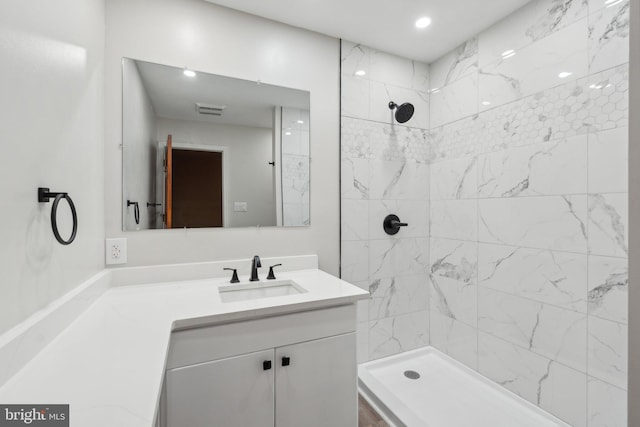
x=528, y=206
x=385, y=170
x=295, y=167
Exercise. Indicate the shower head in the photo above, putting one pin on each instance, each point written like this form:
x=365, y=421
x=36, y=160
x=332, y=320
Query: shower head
x=403, y=112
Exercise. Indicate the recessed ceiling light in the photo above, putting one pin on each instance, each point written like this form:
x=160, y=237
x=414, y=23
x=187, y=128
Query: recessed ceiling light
x=564, y=74
x=287, y=133
x=301, y=122
x=486, y=103
x=360, y=73
x=423, y=22
x=187, y=72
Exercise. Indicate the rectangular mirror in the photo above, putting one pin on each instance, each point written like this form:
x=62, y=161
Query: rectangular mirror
x=203, y=150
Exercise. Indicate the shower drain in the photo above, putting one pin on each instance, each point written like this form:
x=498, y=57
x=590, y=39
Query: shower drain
x=412, y=375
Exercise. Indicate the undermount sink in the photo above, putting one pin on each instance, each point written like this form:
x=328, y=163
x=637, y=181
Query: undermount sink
x=258, y=290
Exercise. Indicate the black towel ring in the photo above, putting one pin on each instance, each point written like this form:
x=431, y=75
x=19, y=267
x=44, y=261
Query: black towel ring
x=45, y=196
x=136, y=210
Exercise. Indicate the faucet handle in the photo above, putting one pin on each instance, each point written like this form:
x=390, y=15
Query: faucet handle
x=234, y=278
x=272, y=276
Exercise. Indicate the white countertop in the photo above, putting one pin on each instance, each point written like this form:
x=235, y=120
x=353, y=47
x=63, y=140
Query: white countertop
x=109, y=363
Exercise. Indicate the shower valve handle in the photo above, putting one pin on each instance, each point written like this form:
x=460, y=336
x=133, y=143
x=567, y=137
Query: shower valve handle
x=392, y=224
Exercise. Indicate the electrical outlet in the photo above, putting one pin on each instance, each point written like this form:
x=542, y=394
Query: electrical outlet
x=116, y=251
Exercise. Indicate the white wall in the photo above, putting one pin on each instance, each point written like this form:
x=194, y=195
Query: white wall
x=213, y=39
x=51, y=124
x=139, y=145
x=248, y=152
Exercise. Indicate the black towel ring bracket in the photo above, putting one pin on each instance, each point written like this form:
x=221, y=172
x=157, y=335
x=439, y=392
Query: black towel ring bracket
x=45, y=196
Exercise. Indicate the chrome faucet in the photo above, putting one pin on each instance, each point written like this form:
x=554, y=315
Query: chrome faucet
x=255, y=264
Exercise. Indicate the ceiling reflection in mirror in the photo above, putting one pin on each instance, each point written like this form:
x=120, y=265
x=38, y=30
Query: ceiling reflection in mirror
x=203, y=150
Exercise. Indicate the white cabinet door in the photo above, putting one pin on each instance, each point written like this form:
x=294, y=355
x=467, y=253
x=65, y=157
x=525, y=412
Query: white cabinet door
x=318, y=387
x=232, y=392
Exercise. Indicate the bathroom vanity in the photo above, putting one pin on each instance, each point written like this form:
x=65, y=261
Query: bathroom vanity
x=288, y=370
x=167, y=346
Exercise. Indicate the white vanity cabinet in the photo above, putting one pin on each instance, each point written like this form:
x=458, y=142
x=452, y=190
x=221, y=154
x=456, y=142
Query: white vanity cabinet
x=230, y=392
x=288, y=370
x=318, y=387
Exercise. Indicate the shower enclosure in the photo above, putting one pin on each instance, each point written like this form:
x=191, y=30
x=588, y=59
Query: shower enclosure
x=512, y=176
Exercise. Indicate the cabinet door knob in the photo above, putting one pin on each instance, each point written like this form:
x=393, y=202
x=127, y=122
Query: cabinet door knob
x=286, y=361
x=266, y=365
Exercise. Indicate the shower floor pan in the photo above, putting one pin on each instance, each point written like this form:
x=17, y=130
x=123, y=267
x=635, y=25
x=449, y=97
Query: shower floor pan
x=446, y=394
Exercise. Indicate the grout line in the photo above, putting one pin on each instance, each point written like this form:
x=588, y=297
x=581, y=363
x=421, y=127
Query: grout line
x=339, y=161
x=396, y=315
x=533, y=196
x=606, y=382
x=559, y=307
x=533, y=352
x=560, y=251
x=477, y=243
x=383, y=123
x=588, y=320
